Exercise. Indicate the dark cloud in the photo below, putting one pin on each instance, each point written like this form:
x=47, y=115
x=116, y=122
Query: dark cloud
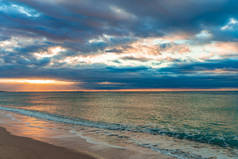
x=82, y=20
x=208, y=65
x=131, y=78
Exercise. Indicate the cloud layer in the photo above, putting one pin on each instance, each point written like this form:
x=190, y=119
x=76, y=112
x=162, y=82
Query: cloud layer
x=121, y=44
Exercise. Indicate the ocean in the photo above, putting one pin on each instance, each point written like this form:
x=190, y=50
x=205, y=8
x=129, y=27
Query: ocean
x=184, y=125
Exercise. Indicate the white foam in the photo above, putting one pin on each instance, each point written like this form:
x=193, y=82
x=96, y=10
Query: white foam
x=92, y=141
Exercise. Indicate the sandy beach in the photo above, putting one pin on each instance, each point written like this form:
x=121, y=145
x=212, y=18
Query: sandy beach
x=15, y=147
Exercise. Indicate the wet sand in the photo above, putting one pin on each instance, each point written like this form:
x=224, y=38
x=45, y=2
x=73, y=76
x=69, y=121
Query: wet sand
x=21, y=139
x=15, y=147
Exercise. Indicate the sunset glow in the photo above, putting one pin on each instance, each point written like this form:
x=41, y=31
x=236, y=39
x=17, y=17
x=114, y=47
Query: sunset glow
x=35, y=85
x=35, y=81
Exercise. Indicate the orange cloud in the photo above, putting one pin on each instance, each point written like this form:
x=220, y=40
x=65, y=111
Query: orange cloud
x=157, y=52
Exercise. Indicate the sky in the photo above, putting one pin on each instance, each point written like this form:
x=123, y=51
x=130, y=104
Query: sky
x=118, y=44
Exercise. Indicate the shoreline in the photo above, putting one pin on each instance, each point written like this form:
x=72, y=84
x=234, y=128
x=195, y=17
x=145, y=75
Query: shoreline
x=12, y=147
x=19, y=126
x=75, y=150
x=14, y=125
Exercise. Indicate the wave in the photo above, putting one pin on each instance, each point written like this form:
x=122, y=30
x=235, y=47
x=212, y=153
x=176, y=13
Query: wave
x=203, y=137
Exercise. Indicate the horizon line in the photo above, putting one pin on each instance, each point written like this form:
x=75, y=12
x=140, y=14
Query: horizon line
x=134, y=90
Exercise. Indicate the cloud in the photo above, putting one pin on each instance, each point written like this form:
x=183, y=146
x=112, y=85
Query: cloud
x=16, y=9
x=158, y=17
x=157, y=53
x=156, y=44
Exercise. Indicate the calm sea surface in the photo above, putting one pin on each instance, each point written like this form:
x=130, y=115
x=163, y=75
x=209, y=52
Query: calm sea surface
x=173, y=123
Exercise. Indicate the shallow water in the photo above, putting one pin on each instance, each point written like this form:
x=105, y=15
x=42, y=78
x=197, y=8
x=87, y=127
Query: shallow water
x=178, y=124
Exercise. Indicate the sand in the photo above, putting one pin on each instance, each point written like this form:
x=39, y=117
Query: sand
x=15, y=147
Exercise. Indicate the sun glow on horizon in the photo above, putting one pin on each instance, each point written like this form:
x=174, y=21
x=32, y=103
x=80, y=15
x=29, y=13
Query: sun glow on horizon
x=35, y=81
x=33, y=84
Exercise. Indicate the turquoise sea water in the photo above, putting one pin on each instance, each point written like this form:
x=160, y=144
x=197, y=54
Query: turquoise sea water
x=142, y=118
